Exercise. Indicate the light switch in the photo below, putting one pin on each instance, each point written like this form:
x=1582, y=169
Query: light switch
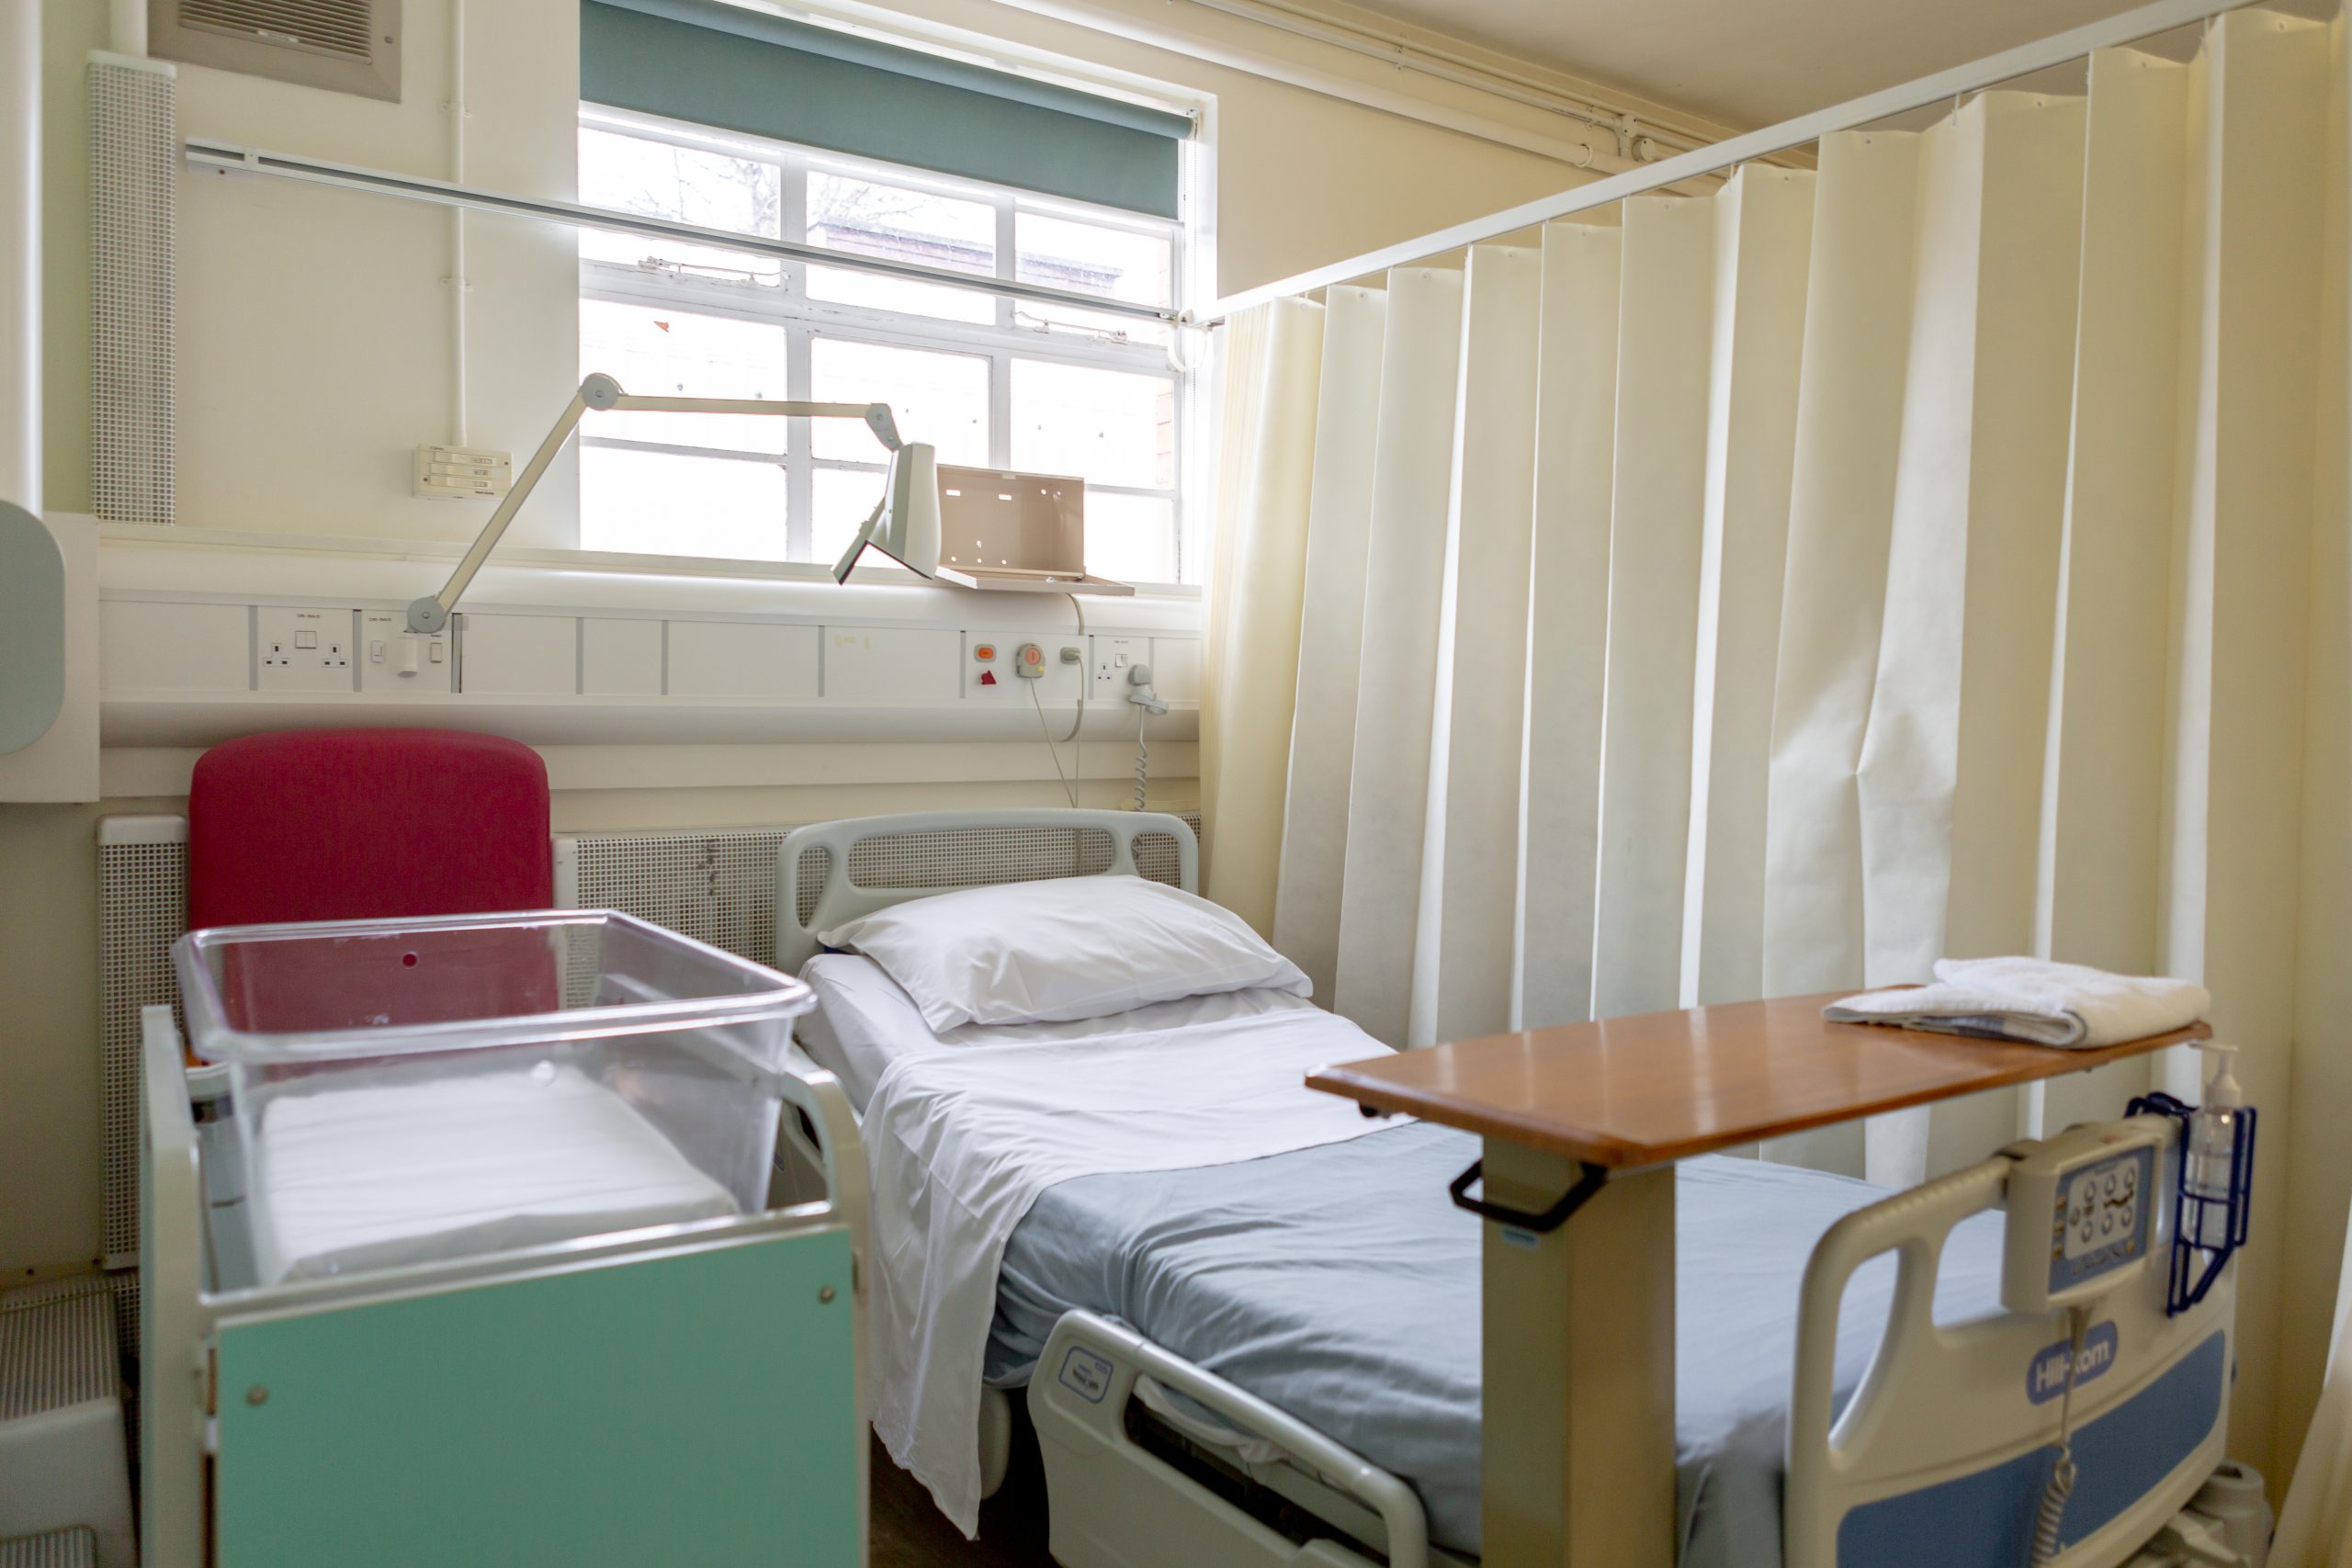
x=436, y=654
x=375, y=653
x=305, y=640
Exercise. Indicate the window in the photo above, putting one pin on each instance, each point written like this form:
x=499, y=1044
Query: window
x=987, y=379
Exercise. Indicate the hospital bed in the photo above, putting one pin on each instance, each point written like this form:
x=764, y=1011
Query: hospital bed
x=414, y=1298
x=1277, y=1362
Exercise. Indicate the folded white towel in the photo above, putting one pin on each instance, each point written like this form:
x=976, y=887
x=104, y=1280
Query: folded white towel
x=2033, y=1000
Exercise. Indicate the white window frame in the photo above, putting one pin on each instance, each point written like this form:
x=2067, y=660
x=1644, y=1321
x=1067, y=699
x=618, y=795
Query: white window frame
x=786, y=304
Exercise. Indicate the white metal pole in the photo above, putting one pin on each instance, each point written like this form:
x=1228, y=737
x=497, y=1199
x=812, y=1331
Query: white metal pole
x=127, y=28
x=20, y=387
x=2058, y=49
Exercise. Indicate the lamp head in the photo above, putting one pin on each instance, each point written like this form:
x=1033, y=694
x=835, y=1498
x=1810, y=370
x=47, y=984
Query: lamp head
x=905, y=525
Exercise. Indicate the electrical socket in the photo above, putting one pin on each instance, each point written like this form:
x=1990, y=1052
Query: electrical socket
x=302, y=650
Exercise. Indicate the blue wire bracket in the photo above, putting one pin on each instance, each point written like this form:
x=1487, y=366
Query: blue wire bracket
x=2197, y=1263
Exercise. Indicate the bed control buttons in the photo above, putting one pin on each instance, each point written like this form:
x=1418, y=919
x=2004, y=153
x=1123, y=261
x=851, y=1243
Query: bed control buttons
x=1086, y=1374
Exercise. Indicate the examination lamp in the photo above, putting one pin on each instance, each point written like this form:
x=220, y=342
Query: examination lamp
x=904, y=524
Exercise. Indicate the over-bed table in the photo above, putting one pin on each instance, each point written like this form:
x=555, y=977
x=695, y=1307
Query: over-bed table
x=1581, y=1126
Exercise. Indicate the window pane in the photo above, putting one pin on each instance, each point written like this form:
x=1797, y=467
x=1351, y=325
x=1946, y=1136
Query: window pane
x=663, y=353
x=1085, y=259
x=656, y=503
x=841, y=499
x=1112, y=427
x=841, y=286
x=1131, y=537
x=900, y=224
x=1115, y=264
x=633, y=174
x=939, y=398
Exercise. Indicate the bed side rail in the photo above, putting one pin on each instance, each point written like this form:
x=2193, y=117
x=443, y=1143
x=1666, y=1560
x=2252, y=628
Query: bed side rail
x=171, y=1327
x=1151, y=1514
x=1955, y=1421
x=840, y=899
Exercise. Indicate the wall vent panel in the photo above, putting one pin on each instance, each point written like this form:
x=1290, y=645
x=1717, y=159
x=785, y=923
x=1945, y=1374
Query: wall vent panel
x=134, y=239
x=343, y=46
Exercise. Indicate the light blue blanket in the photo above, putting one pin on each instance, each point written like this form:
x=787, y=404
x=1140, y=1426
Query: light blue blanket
x=1341, y=1284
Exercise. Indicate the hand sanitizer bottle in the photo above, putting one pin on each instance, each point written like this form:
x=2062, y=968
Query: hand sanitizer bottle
x=2213, y=1134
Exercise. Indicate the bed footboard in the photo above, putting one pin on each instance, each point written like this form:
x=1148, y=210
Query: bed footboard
x=1939, y=1457
x=1114, y=1504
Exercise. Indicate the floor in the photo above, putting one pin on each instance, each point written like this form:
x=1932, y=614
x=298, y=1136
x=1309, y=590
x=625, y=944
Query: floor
x=910, y=1532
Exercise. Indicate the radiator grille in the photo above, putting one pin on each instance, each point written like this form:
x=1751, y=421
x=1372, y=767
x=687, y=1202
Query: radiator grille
x=134, y=223
x=75, y=1548
x=344, y=27
x=57, y=1346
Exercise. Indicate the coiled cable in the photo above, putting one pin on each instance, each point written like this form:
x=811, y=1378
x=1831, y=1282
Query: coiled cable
x=2052, y=1514
x=1143, y=756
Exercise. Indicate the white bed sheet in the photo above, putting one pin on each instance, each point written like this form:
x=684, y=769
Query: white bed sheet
x=865, y=1021
x=381, y=1174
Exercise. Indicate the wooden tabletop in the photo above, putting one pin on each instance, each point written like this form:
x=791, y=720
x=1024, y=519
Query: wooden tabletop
x=1665, y=1086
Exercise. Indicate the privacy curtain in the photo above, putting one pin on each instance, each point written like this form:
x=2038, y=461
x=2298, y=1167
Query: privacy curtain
x=1775, y=591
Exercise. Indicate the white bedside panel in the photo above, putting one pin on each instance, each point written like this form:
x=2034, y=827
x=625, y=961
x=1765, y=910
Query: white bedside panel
x=620, y=658
x=742, y=659
x=891, y=664
x=534, y=655
x=173, y=647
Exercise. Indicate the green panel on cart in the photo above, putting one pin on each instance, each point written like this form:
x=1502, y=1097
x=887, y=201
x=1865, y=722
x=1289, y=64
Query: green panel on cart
x=692, y=1408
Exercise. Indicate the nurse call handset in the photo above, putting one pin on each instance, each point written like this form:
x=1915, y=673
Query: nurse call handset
x=2096, y=1189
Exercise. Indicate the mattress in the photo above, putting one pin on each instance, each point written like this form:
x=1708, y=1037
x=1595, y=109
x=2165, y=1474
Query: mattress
x=1341, y=1284
x=397, y=1170
x=865, y=1021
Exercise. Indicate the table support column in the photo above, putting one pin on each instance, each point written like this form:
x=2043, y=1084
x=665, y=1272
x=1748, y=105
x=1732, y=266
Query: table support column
x=1578, y=1423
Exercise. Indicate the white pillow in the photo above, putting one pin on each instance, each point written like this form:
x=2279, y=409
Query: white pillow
x=1069, y=947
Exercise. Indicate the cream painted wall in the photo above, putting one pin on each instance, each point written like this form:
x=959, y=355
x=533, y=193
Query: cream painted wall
x=314, y=338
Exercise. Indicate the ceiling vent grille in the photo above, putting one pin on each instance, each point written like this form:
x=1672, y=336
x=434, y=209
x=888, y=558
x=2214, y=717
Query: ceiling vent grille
x=344, y=46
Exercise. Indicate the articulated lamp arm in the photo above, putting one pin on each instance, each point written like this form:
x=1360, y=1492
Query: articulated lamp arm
x=599, y=390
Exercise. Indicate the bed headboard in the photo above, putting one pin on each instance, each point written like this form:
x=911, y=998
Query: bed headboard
x=1100, y=842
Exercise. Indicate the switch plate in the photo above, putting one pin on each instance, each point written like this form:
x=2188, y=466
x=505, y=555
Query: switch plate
x=454, y=473
x=302, y=650
x=1057, y=685
x=409, y=663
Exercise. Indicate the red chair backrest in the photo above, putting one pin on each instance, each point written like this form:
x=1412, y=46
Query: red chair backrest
x=377, y=824
x=363, y=824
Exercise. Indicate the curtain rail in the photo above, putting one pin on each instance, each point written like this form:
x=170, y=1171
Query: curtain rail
x=2076, y=43
x=228, y=157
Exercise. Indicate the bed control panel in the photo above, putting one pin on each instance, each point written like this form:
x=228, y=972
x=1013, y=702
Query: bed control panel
x=2082, y=1214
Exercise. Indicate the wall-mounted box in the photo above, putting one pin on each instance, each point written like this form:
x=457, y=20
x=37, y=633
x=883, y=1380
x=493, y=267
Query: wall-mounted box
x=151, y=647
x=760, y=661
x=519, y=655
x=891, y=664
x=620, y=657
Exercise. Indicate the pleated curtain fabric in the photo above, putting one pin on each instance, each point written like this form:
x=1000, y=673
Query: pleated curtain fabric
x=1775, y=591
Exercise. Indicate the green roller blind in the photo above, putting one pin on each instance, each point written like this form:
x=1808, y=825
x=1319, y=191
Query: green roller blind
x=748, y=71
